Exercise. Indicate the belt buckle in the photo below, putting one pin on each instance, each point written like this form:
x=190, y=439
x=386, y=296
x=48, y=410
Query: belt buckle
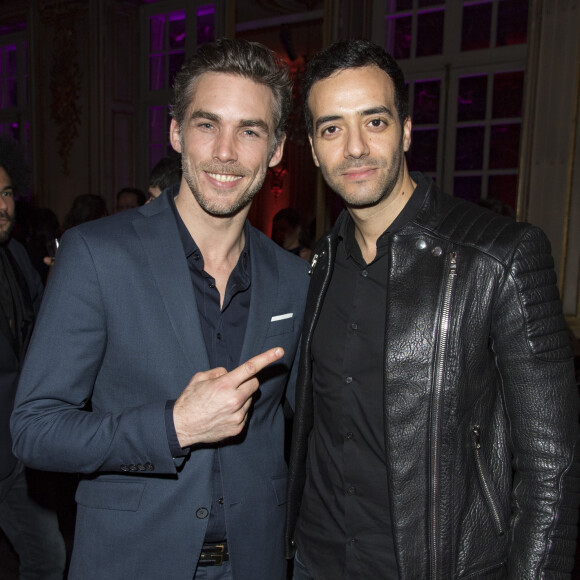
x=214, y=555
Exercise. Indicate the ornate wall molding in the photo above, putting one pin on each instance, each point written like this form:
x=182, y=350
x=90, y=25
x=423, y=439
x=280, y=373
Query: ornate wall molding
x=61, y=19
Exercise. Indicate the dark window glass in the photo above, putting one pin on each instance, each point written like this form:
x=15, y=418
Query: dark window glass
x=426, y=102
x=508, y=90
x=175, y=61
x=157, y=127
x=469, y=148
x=476, y=27
x=177, y=29
x=504, y=146
x=156, y=72
x=403, y=4
x=11, y=93
x=504, y=188
x=425, y=3
x=11, y=61
x=156, y=152
x=156, y=33
x=401, y=44
x=472, y=98
x=512, y=22
x=205, y=24
x=430, y=33
x=468, y=188
x=422, y=156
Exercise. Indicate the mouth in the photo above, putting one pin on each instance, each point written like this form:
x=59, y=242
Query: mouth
x=359, y=173
x=224, y=177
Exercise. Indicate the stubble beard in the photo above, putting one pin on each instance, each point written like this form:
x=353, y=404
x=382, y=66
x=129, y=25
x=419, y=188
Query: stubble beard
x=6, y=229
x=220, y=209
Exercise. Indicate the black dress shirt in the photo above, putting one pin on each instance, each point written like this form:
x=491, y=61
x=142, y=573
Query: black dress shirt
x=344, y=528
x=223, y=332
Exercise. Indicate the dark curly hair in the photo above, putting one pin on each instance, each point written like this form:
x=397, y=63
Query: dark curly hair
x=14, y=162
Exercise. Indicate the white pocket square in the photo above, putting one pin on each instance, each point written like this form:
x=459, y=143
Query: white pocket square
x=282, y=317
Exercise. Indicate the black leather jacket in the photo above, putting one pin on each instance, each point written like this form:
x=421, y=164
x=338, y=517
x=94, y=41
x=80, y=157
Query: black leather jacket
x=480, y=403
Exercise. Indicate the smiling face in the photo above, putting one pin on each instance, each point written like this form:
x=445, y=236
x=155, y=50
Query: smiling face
x=227, y=142
x=6, y=205
x=357, y=140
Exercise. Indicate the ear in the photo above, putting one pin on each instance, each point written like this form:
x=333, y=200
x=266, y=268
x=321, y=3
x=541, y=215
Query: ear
x=174, y=135
x=313, y=152
x=278, y=152
x=407, y=126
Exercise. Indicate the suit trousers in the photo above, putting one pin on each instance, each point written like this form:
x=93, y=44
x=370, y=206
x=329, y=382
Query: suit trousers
x=32, y=529
x=223, y=572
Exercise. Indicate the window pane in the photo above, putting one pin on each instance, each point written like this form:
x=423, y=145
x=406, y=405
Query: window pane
x=512, y=22
x=468, y=188
x=11, y=61
x=469, y=148
x=430, y=33
x=508, y=90
x=504, y=189
x=175, y=61
x=156, y=33
x=426, y=102
x=504, y=146
x=424, y=3
x=11, y=93
x=472, y=98
x=398, y=37
x=403, y=4
x=156, y=73
x=157, y=127
x=177, y=29
x=476, y=27
x=156, y=152
x=205, y=24
x=422, y=155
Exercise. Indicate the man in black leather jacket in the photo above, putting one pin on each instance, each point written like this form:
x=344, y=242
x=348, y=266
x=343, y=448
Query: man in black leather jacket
x=436, y=411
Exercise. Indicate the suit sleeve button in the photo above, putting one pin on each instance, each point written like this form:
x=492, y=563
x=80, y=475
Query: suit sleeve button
x=149, y=466
x=202, y=513
x=124, y=467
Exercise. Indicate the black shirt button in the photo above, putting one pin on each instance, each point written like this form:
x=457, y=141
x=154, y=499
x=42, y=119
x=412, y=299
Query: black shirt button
x=211, y=285
x=351, y=490
x=219, y=335
x=221, y=501
x=202, y=513
x=364, y=273
x=348, y=380
x=349, y=435
x=354, y=326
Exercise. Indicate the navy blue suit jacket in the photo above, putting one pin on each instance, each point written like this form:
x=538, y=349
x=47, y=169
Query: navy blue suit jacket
x=119, y=328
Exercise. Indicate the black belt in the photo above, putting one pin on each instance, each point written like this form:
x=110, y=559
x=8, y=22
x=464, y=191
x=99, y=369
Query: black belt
x=213, y=554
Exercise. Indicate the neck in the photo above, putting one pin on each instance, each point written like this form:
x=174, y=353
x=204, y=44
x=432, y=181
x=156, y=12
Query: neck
x=371, y=222
x=219, y=238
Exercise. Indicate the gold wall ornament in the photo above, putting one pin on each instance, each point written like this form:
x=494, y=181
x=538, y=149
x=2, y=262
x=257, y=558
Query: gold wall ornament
x=65, y=73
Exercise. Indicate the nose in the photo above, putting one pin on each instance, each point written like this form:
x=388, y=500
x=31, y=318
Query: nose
x=225, y=147
x=356, y=145
x=3, y=203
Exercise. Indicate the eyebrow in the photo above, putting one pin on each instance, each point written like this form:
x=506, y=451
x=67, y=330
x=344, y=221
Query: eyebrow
x=258, y=123
x=374, y=111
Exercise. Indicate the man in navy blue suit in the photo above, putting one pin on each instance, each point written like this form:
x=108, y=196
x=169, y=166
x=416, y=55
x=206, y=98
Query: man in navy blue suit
x=183, y=471
x=32, y=528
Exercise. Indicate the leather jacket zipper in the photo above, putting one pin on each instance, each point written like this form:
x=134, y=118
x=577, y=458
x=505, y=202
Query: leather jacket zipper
x=483, y=480
x=443, y=336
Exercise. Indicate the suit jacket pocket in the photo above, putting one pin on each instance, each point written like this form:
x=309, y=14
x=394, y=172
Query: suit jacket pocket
x=280, y=326
x=279, y=485
x=110, y=495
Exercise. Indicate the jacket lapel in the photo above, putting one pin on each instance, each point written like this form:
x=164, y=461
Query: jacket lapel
x=158, y=233
x=264, y=291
